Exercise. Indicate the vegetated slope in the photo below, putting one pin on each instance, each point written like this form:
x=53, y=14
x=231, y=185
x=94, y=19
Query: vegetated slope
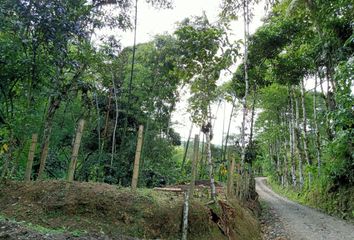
x=10, y=230
x=113, y=211
x=302, y=222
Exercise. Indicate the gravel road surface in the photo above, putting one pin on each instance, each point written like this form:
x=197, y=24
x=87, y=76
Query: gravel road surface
x=303, y=223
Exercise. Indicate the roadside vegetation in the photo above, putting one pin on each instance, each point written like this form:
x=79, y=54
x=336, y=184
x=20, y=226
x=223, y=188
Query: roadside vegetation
x=80, y=114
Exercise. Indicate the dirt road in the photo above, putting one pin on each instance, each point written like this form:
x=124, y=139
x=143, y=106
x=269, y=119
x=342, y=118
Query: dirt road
x=303, y=223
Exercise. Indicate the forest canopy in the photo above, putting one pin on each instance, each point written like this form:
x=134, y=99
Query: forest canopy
x=83, y=102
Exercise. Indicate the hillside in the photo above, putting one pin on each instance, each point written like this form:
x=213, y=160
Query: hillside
x=107, y=210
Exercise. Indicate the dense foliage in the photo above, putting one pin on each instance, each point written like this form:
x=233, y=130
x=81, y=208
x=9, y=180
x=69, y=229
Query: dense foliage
x=304, y=55
x=295, y=85
x=52, y=76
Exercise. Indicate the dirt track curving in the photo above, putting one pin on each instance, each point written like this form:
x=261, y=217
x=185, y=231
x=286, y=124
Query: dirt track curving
x=304, y=223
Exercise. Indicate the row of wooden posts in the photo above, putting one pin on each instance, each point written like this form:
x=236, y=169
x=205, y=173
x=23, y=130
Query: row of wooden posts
x=74, y=156
x=75, y=153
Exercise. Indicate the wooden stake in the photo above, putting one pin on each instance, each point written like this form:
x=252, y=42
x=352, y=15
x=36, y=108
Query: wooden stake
x=31, y=157
x=230, y=179
x=76, y=147
x=137, y=158
x=185, y=216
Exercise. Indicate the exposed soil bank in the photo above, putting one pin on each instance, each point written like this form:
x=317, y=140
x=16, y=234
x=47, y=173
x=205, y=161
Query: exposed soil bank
x=114, y=212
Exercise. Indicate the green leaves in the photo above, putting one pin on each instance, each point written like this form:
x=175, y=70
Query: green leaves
x=205, y=52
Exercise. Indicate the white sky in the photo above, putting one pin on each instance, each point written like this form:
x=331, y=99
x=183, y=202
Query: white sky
x=152, y=21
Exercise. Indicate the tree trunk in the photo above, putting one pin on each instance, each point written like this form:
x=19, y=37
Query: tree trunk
x=189, y=194
x=332, y=84
x=228, y=129
x=330, y=108
x=210, y=163
x=244, y=100
x=230, y=178
x=291, y=140
x=137, y=158
x=304, y=130
x=223, y=135
x=202, y=161
x=327, y=122
x=300, y=152
x=231, y=169
x=273, y=160
x=317, y=132
x=194, y=165
x=105, y=130
x=304, y=133
x=31, y=157
x=77, y=142
x=47, y=132
x=285, y=147
x=187, y=146
x=106, y=122
x=98, y=128
x=277, y=154
x=115, y=120
x=253, y=112
x=286, y=165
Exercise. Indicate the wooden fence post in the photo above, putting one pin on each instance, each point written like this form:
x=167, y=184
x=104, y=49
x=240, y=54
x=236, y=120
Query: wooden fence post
x=185, y=216
x=76, y=147
x=137, y=158
x=31, y=157
x=230, y=179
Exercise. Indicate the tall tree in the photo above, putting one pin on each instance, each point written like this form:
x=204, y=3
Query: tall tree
x=200, y=66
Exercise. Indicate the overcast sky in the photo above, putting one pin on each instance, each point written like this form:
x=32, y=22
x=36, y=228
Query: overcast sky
x=152, y=21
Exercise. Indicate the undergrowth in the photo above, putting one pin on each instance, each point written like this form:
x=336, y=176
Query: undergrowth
x=339, y=203
x=43, y=230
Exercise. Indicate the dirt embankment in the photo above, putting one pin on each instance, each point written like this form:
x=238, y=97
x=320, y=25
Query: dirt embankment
x=112, y=212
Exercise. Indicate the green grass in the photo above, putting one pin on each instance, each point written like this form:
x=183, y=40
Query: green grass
x=290, y=193
x=41, y=229
x=319, y=199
